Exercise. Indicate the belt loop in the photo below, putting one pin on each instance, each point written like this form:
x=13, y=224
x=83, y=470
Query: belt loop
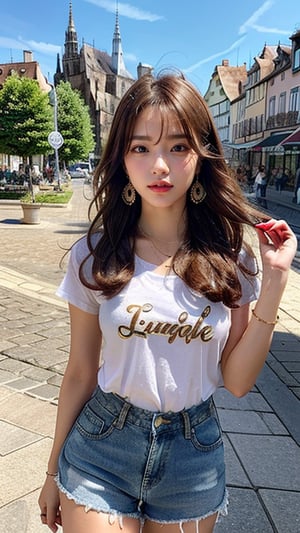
x=122, y=416
x=187, y=425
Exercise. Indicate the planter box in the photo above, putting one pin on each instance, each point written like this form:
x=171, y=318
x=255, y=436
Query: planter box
x=31, y=213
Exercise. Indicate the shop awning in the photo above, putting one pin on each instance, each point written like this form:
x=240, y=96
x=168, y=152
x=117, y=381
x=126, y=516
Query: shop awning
x=242, y=146
x=293, y=139
x=273, y=142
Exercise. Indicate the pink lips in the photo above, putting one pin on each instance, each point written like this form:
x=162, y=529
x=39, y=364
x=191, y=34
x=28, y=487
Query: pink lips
x=160, y=186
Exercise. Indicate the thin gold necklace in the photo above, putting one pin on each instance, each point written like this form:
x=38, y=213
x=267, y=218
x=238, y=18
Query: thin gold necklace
x=147, y=236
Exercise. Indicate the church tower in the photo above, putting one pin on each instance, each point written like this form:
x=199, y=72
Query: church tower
x=71, y=61
x=117, y=60
x=58, y=76
x=101, y=78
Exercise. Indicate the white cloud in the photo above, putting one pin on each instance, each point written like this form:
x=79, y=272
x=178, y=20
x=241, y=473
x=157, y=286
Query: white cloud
x=264, y=29
x=255, y=16
x=7, y=42
x=234, y=45
x=250, y=23
x=23, y=44
x=126, y=10
x=44, y=48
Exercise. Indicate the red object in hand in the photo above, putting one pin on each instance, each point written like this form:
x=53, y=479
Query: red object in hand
x=264, y=226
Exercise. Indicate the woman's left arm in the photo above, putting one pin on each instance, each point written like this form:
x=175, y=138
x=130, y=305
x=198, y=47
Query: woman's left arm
x=250, y=338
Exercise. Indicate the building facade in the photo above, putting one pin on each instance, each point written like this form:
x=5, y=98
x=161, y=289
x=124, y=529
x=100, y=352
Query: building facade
x=265, y=114
x=224, y=87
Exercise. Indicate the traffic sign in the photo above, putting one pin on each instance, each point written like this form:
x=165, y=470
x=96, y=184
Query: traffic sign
x=55, y=139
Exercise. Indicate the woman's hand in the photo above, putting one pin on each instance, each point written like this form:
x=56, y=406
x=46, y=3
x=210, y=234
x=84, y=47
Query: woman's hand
x=278, y=245
x=49, y=504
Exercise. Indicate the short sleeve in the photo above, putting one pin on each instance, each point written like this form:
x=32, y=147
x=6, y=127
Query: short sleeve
x=72, y=289
x=250, y=284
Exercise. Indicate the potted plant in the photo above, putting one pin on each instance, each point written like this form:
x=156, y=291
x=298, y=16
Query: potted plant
x=31, y=208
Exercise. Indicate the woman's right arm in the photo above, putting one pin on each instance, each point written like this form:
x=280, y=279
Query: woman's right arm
x=79, y=381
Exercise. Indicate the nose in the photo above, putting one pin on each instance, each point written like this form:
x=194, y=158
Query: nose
x=160, y=166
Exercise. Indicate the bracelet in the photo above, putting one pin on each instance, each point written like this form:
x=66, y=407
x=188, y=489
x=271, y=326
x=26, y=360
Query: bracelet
x=51, y=474
x=263, y=320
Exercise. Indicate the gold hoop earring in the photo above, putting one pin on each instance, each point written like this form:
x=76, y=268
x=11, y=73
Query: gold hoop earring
x=128, y=194
x=197, y=193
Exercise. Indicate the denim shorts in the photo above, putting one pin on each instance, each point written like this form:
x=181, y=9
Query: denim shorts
x=126, y=461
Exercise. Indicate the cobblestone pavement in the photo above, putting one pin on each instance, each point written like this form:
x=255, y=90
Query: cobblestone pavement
x=261, y=430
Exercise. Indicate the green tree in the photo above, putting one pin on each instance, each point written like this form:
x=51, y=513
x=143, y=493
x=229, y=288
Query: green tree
x=74, y=124
x=26, y=118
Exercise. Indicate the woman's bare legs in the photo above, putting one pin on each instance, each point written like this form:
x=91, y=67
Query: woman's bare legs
x=204, y=526
x=76, y=520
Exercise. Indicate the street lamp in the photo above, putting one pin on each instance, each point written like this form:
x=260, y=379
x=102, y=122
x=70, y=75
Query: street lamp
x=55, y=138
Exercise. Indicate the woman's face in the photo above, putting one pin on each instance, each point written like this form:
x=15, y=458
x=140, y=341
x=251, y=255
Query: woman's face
x=160, y=162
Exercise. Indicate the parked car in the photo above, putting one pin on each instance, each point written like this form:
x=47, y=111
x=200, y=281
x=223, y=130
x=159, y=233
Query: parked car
x=80, y=170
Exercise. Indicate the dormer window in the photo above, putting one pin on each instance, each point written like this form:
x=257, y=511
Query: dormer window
x=296, y=62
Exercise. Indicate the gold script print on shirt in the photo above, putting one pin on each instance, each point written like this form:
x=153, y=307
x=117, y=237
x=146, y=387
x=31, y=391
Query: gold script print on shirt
x=141, y=328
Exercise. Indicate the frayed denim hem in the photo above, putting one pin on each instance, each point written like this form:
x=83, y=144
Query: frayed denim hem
x=221, y=510
x=113, y=515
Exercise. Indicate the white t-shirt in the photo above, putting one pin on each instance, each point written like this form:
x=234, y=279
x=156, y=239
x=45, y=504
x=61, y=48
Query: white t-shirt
x=162, y=341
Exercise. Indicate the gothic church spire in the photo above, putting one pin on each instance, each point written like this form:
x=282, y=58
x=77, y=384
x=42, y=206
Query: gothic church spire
x=71, y=42
x=118, y=65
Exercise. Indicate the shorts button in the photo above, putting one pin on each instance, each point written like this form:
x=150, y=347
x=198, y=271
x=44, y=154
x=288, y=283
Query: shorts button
x=160, y=420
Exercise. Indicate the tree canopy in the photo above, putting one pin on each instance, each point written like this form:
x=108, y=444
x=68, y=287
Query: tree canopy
x=26, y=118
x=74, y=124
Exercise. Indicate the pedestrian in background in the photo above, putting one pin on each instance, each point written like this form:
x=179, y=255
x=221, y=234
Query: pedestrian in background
x=272, y=177
x=249, y=178
x=296, y=198
x=159, y=293
x=281, y=179
x=261, y=186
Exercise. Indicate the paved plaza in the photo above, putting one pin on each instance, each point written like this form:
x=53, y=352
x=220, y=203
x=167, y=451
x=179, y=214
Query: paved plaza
x=261, y=430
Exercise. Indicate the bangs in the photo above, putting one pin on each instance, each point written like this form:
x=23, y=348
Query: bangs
x=174, y=99
x=169, y=116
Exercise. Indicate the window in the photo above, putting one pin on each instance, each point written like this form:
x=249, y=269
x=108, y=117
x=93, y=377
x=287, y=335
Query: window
x=224, y=106
x=259, y=123
x=296, y=64
x=294, y=99
x=281, y=105
x=272, y=102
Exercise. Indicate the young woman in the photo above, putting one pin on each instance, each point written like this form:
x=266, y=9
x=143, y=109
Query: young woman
x=159, y=294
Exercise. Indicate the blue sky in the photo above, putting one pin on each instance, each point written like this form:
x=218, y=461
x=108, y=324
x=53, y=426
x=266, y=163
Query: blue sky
x=193, y=36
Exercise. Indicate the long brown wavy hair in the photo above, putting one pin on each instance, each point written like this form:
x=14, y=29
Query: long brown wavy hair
x=208, y=259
